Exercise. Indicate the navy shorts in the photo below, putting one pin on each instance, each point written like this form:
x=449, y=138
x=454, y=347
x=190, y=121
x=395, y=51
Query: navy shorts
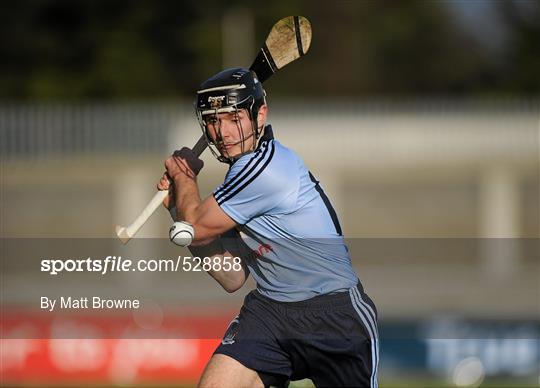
x=331, y=339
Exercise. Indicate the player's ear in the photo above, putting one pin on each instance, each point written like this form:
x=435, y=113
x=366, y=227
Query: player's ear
x=261, y=116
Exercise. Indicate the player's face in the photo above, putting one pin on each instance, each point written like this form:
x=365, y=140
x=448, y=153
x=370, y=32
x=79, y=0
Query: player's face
x=231, y=132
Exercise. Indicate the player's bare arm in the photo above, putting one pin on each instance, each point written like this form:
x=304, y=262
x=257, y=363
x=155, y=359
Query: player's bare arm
x=230, y=280
x=207, y=218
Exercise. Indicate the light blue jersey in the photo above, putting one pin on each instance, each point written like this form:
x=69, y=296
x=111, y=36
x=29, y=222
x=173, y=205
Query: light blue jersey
x=286, y=219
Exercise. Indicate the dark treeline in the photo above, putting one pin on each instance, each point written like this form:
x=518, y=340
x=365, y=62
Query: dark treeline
x=88, y=49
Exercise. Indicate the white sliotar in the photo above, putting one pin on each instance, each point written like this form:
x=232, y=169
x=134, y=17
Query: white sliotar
x=181, y=233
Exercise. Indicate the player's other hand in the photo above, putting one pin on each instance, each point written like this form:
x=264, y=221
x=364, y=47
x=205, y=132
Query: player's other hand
x=184, y=162
x=165, y=184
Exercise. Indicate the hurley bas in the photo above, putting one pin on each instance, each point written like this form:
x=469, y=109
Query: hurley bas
x=95, y=302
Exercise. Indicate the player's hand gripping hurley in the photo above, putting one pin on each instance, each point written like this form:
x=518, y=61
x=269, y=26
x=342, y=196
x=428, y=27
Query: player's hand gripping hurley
x=288, y=40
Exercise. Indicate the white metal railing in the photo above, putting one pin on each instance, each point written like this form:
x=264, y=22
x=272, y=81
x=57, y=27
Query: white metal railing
x=38, y=131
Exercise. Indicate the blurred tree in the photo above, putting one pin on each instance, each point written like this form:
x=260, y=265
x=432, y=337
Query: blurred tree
x=70, y=49
x=520, y=72
x=144, y=49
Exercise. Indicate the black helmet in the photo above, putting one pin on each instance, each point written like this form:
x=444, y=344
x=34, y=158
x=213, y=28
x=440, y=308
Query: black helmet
x=229, y=91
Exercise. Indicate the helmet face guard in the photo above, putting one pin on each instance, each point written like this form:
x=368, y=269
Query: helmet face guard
x=215, y=143
x=229, y=92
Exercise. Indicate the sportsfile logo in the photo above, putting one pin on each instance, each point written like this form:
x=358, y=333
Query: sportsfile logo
x=120, y=264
